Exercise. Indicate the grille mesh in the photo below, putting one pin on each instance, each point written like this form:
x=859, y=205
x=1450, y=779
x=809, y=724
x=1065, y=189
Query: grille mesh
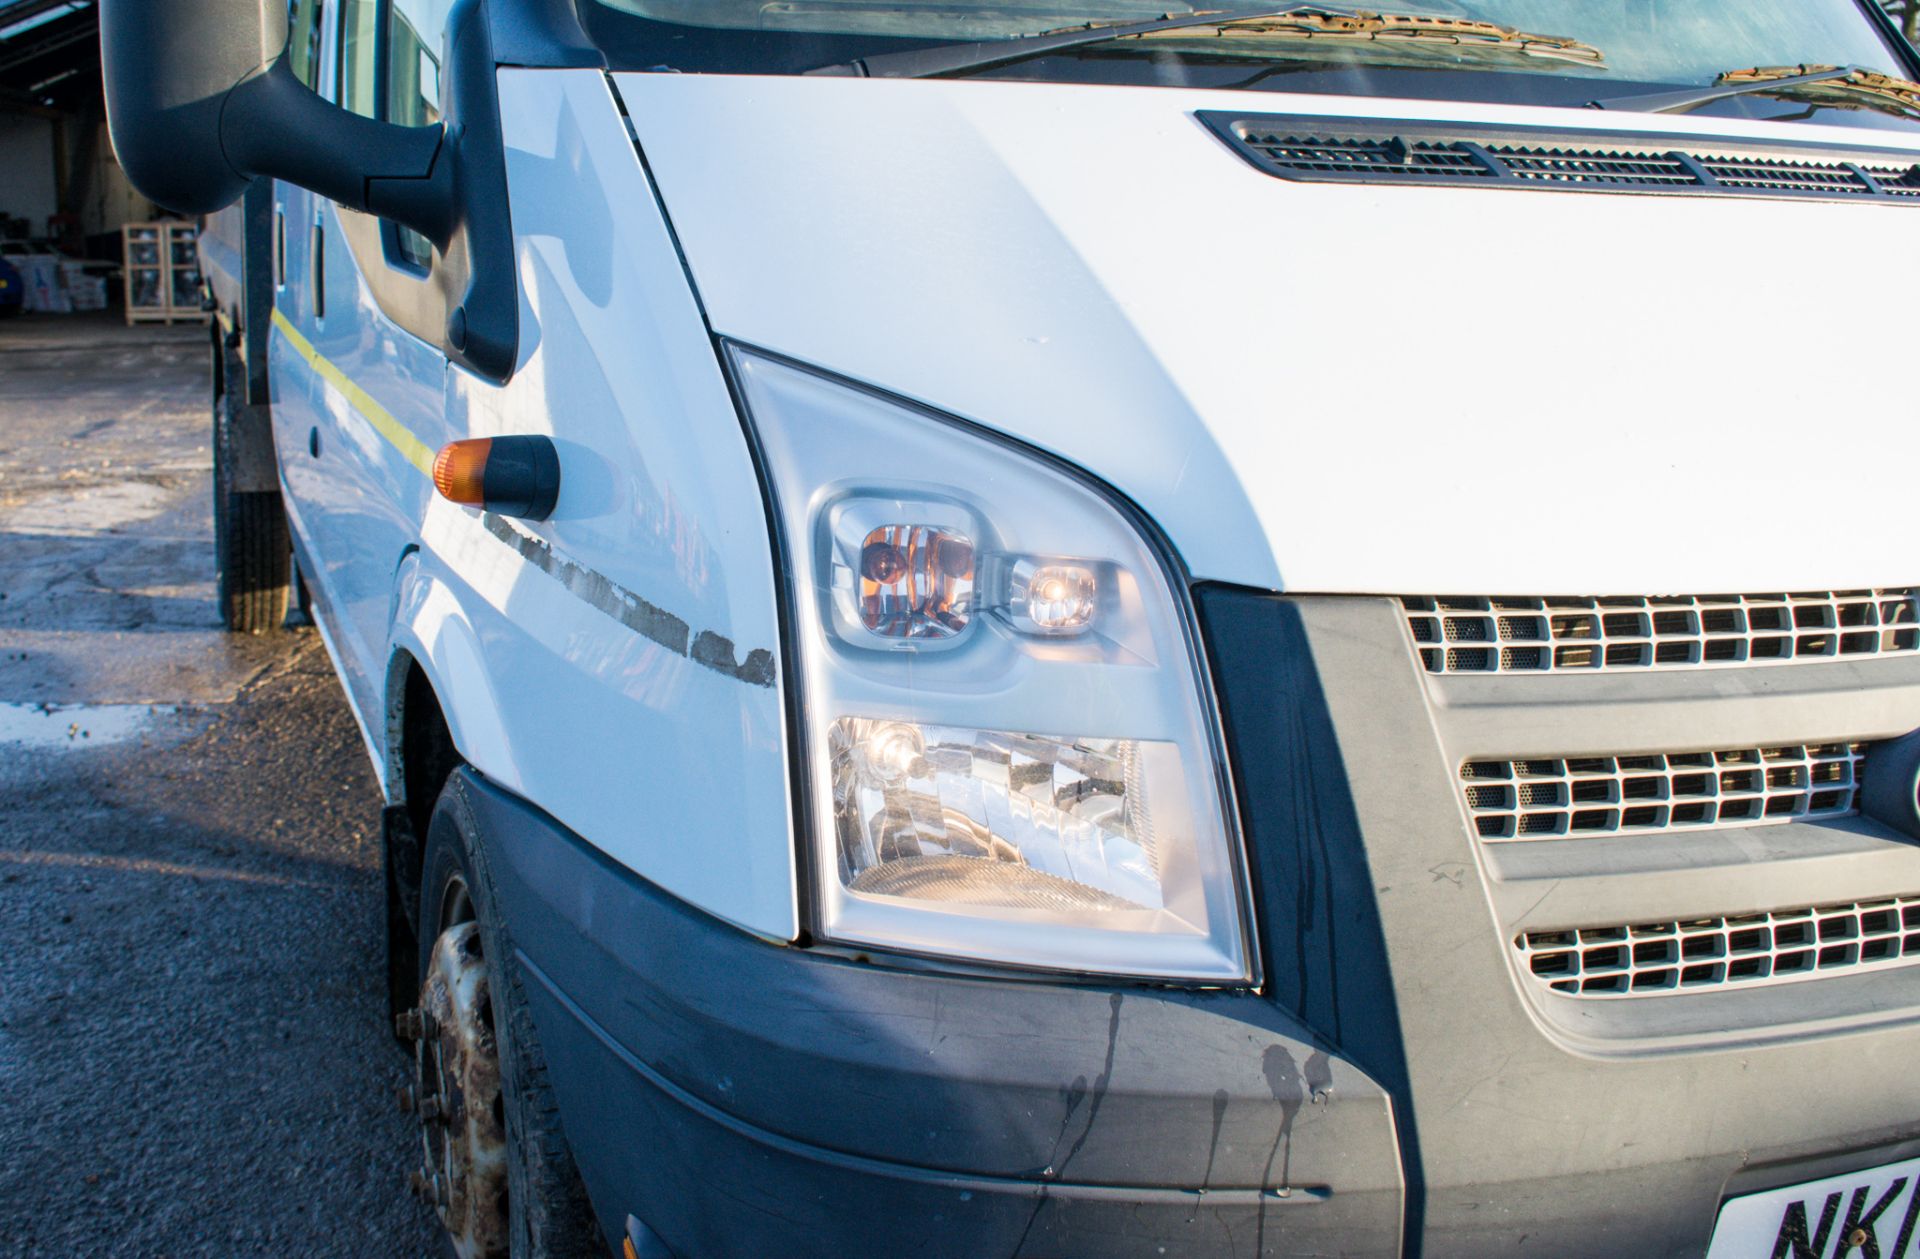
x=1323, y=155
x=1480, y=635
x=1896, y=181
x=1587, y=166
x=1674, y=791
x=1377, y=150
x=1772, y=175
x=1708, y=953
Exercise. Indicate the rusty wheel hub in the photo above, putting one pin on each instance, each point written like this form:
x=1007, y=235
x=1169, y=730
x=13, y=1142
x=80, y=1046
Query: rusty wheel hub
x=456, y=1095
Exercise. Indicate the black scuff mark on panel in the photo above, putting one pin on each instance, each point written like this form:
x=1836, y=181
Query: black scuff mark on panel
x=1220, y=1100
x=707, y=649
x=1072, y=1096
x=1105, y=1079
x=1289, y=1088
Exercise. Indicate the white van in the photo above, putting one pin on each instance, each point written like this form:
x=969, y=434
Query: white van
x=1066, y=629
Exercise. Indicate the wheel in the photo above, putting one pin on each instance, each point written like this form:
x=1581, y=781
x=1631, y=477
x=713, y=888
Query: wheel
x=497, y=1170
x=253, y=554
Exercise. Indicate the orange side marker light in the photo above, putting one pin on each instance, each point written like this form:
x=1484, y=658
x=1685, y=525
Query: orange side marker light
x=514, y=476
x=460, y=471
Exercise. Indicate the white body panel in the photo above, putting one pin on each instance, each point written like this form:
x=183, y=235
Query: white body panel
x=1567, y=393
x=673, y=768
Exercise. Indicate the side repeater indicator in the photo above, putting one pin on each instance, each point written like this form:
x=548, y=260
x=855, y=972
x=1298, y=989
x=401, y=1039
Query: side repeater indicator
x=514, y=476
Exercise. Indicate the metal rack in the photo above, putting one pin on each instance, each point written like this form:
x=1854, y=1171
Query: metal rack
x=161, y=264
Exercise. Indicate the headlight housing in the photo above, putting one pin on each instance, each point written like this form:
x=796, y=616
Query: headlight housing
x=1009, y=744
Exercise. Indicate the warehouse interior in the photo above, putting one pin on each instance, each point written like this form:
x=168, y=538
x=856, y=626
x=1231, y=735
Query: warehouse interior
x=63, y=198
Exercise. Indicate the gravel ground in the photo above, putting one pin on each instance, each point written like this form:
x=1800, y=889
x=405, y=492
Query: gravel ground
x=193, y=1050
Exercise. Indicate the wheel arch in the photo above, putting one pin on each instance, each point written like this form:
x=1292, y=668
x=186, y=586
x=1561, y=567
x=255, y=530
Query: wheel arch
x=439, y=715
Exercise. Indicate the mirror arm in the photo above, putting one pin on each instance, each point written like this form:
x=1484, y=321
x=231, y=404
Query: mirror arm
x=273, y=125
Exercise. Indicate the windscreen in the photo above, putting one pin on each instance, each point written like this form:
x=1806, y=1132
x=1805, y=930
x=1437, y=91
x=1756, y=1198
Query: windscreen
x=1631, y=43
x=1678, y=41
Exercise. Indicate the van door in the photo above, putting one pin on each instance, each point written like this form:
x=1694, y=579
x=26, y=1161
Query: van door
x=380, y=409
x=295, y=388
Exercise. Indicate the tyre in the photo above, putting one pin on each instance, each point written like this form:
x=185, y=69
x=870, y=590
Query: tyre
x=547, y=1213
x=253, y=555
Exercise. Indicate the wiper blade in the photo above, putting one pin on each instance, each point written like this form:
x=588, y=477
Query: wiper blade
x=1386, y=29
x=1785, y=80
x=922, y=63
x=1861, y=89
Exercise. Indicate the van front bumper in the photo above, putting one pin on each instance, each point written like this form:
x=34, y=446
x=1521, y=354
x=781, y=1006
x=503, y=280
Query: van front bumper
x=745, y=1099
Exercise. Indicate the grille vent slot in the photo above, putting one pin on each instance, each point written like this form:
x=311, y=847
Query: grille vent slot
x=1387, y=156
x=1704, y=954
x=1760, y=174
x=1573, y=796
x=1385, y=151
x=1482, y=635
x=1586, y=166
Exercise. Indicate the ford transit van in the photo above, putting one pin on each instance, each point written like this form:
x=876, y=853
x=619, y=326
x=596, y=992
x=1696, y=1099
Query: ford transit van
x=1066, y=628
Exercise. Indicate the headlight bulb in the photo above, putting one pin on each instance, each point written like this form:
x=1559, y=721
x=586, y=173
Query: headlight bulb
x=1051, y=598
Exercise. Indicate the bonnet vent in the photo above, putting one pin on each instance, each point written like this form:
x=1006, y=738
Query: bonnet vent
x=1348, y=150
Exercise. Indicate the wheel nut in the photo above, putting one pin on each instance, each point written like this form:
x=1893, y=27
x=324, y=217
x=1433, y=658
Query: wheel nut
x=407, y=1024
x=432, y=1108
x=417, y=1183
x=404, y=1096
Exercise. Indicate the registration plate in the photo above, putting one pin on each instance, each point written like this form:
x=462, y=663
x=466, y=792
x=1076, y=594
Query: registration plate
x=1871, y=1214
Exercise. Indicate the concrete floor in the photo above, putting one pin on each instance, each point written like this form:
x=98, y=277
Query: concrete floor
x=193, y=1051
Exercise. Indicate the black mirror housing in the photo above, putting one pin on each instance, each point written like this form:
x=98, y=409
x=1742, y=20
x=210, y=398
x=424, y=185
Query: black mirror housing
x=168, y=69
x=201, y=101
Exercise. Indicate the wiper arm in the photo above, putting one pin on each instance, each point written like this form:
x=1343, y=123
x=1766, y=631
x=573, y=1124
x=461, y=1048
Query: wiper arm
x=952, y=58
x=1732, y=83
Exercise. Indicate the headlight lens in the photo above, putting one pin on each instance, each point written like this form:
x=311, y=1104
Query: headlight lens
x=1009, y=741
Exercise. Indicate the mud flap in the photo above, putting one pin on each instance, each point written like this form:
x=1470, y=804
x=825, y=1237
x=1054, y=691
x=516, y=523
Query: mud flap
x=400, y=851
x=252, y=467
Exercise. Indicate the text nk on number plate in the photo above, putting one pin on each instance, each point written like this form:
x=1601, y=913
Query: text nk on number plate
x=1872, y=1214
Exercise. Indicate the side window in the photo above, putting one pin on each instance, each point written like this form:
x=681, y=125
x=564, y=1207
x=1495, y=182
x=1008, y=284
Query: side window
x=414, y=32
x=303, y=39
x=359, y=28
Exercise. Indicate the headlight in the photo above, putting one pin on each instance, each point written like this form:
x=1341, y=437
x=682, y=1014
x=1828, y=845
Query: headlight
x=1008, y=742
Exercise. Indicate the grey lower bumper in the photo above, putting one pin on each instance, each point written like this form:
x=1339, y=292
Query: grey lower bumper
x=752, y=1100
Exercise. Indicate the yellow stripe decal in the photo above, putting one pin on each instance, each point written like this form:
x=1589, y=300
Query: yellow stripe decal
x=398, y=435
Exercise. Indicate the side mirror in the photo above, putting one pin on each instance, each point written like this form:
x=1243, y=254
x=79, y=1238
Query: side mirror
x=201, y=101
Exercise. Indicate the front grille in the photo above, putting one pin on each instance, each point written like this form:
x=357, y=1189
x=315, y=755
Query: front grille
x=1524, y=635
x=1896, y=181
x=1779, y=946
x=1587, y=166
x=1373, y=150
x=1390, y=156
x=1774, y=175
x=1674, y=791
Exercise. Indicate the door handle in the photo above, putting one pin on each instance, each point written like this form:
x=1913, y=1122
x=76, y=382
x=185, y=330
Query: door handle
x=319, y=263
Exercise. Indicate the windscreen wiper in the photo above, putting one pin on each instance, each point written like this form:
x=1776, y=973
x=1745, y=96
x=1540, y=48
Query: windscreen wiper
x=923, y=63
x=1734, y=83
x=1295, y=22
x=1384, y=30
